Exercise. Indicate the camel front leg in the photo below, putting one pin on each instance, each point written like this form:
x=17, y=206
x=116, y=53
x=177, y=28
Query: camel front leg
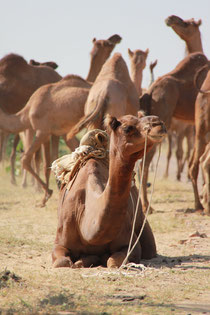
x=193, y=171
x=13, y=157
x=179, y=155
x=26, y=162
x=61, y=257
x=168, y=154
x=87, y=262
x=47, y=169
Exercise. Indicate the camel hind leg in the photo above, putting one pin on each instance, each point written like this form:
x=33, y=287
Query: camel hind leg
x=168, y=153
x=40, y=138
x=12, y=159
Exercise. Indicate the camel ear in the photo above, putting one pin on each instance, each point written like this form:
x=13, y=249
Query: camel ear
x=199, y=22
x=130, y=53
x=111, y=123
x=140, y=114
x=147, y=51
x=94, y=40
x=101, y=137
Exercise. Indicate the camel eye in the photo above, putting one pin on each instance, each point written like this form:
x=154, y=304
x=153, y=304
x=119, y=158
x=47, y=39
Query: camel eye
x=128, y=129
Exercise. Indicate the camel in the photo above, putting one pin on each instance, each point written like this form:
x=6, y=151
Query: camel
x=137, y=64
x=205, y=165
x=18, y=80
x=152, y=66
x=101, y=50
x=187, y=30
x=172, y=95
x=202, y=139
x=113, y=92
x=95, y=211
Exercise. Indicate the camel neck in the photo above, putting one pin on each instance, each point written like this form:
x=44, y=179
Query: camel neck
x=120, y=178
x=136, y=77
x=194, y=44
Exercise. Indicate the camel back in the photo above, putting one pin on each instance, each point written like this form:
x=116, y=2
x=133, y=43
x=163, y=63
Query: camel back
x=114, y=68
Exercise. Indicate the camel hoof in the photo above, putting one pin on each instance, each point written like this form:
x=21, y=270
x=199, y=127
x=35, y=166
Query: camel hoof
x=62, y=262
x=78, y=264
x=48, y=194
x=13, y=182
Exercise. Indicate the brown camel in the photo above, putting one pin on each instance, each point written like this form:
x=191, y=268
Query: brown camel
x=18, y=80
x=172, y=95
x=187, y=30
x=101, y=50
x=113, y=92
x=202, y=139
x=137, y=64
x=96, y=207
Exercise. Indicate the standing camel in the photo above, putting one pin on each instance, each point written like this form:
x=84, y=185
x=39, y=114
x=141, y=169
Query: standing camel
x=52, y=110
x=96, y=207
x=113, y=92
x=172, y=95
x=189, y=32
x=202, y=140
x=137, y=64
x=18, y=81
x=100, y=51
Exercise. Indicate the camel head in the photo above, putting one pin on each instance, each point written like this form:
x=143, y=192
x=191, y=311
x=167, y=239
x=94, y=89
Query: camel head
x=100, y=52
x=129, y=133
x=138, y=57
x=184, y=28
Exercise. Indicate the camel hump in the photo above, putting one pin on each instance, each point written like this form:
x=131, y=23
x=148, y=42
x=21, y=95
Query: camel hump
x=190, y=64
x=114, y=68
x=76, y=81
x=12, y=62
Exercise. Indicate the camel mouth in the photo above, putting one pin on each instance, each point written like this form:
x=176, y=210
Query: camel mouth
x=174, y=20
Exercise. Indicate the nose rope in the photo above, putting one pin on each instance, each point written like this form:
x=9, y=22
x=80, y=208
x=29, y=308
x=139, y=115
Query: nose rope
x=130, y=250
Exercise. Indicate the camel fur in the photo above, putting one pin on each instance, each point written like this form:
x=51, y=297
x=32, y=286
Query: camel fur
x=96, y=211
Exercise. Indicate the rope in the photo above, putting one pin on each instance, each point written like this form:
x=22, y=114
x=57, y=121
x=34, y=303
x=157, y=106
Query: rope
x=137, y=205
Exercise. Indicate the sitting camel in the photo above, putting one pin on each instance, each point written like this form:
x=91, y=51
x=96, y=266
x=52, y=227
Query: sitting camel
x=97, y=205
x=172, y=95
x=202, y=138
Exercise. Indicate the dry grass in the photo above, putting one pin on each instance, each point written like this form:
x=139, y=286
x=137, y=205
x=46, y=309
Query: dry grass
x=176, y=282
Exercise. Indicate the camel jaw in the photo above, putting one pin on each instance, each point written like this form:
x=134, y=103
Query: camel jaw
x=175, y=20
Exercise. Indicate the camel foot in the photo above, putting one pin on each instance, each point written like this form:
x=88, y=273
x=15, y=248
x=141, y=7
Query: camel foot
x=62, y=262
x=206, y=211
x=47, y=196
x=13, y=181
x=116, y=260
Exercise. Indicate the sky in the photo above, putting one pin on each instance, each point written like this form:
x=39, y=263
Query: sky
x=62, y=30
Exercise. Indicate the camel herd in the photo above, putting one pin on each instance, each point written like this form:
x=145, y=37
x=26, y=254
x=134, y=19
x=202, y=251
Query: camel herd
x=36, y=102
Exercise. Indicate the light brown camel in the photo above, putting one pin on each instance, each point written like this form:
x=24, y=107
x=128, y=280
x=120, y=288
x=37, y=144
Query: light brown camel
x=202, y=139
x=101, y=50
x=187, y=30
x=113, y=92
x=172, y=95
x=137, y=64
x=95, y=212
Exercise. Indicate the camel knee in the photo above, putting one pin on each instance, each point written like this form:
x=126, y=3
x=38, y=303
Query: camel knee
x=62, y=262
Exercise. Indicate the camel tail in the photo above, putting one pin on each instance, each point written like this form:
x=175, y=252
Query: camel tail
x=96, y=114
x=200, y=77
x=145, y=103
